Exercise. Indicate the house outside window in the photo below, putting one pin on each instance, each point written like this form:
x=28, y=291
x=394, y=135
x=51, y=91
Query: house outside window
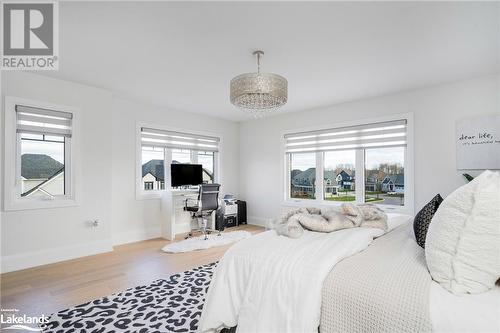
x=339, y=175
x=153, y=172
x=366, y=163
x=302, y=176
x=385, y=175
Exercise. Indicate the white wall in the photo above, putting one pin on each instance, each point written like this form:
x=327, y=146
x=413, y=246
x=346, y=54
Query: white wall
x=435, y=111
x=38, y=236
x=138, y=219
x=107, y=166
x=251, y=149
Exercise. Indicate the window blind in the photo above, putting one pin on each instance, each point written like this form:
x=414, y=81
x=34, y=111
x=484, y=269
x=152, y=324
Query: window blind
x=43, y=121
x=178, y=140
x=382, y=134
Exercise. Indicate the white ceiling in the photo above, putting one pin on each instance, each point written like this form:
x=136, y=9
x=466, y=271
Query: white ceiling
x=183, y=55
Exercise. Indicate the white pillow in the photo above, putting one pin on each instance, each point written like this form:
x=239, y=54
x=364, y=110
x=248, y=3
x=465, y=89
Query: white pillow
x=462, y=247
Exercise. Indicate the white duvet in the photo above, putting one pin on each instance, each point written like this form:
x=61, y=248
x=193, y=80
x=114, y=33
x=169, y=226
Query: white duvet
x=450, y=313
x=271, y=283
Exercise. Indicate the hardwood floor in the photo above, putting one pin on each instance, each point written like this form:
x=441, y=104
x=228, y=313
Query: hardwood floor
x=47, y=289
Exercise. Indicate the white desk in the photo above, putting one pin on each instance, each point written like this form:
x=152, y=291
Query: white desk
x=174, y=219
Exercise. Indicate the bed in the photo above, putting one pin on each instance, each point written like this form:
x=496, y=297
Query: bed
x=396, y=294
x=353, y=280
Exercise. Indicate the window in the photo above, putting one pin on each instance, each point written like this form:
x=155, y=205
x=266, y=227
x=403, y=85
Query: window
x=160, y=148
x=363, y=163
x=205, y=158
x=339, y=175
x=39, y=155
x=42, y=165
x=384, y=176
x=303, y=176
x=181, y=156
x=207, y=161
x=153, y=171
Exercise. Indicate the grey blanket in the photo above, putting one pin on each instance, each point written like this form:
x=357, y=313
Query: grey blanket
x=382, y=289
x=293, y=223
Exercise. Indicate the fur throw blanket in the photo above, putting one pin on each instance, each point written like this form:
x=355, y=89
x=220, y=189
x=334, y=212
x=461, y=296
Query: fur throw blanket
x=293, y=223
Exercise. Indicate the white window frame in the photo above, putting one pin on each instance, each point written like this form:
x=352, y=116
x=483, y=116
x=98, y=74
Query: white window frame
x=142, y=194
x=12, y=158
x=408, y=206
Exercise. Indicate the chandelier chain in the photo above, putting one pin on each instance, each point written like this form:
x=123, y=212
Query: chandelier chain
x=258, y=62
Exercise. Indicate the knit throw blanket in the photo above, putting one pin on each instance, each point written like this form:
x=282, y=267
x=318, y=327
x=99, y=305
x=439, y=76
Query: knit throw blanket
x=382, y=289
x=293, y=223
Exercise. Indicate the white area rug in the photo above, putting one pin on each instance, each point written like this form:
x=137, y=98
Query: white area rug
x=199, y=243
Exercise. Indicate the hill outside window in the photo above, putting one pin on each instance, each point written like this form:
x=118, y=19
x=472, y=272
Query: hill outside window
x=365, y=163
x=42, y=165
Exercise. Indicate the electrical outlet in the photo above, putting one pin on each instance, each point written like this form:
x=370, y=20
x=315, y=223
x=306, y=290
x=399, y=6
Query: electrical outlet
x=93, y=223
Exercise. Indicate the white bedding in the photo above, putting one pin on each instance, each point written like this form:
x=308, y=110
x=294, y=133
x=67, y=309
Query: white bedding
x=271, y=283
x=479, y=313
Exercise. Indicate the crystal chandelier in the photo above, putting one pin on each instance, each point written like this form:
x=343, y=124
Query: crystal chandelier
x=259, y=93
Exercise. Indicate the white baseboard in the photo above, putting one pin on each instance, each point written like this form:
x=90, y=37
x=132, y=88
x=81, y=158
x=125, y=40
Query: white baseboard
x=137, y=235
x=260, y=221
x=32, y=259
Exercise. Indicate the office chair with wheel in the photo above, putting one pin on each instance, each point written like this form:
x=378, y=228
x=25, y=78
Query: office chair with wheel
x=201, y=209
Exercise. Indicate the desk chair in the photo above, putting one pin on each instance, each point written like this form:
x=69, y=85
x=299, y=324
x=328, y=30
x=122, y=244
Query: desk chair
x=201, y=209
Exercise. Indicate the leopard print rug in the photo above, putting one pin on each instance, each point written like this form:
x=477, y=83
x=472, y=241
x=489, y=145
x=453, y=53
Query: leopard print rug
x=167, y=305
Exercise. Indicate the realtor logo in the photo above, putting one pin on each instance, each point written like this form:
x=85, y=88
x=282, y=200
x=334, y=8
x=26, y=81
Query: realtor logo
x=11, y=319
x=30, y=36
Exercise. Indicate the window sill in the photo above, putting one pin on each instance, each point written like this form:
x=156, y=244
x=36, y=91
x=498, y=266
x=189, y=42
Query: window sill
x=309, y=202
x=40, y=204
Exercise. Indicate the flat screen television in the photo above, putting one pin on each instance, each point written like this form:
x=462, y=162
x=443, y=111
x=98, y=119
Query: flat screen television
x=186, y=174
